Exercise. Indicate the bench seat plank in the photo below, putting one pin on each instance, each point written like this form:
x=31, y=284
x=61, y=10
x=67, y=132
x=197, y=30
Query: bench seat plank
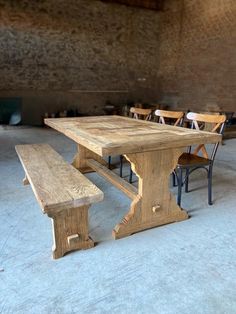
x=56, y=184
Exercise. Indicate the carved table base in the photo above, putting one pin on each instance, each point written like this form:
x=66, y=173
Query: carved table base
x=154, y=204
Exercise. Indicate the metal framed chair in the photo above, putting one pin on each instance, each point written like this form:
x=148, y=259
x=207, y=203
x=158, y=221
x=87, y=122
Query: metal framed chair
x=137, y=113
x=140, y=113
x=192, y=161
x=174, y=117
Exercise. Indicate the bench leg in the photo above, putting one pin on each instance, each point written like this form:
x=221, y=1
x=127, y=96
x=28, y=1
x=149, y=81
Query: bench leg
x=70, y=231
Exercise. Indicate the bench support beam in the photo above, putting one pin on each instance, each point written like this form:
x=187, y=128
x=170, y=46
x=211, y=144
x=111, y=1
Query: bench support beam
x=70, y=231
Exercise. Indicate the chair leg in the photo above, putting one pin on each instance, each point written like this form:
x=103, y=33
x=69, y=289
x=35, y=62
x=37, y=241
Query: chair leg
x=210, y=185
x=173, y=179
x=130, y=175
x=109, y=162
x=179, y=179
x=121, y=166
x=186, y=181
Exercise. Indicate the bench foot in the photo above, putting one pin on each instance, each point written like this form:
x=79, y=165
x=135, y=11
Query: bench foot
x=25, y=181
x=70, y=231
x=57, y=253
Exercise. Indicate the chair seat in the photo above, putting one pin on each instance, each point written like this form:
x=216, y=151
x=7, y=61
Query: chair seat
x=187, y=160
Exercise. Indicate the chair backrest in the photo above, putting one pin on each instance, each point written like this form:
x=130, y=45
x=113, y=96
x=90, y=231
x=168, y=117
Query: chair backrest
x=215, y=123
x=176, y=116
x=140, y=113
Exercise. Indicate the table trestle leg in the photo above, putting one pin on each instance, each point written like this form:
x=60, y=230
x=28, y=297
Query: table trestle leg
x=155, y=205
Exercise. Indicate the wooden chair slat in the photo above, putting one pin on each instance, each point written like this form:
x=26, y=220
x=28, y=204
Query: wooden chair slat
x=139, y=113
x=201, y=148
x=175, y=115
x=200, y=117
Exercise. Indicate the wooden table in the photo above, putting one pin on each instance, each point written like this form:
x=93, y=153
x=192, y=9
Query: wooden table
x=153, y=150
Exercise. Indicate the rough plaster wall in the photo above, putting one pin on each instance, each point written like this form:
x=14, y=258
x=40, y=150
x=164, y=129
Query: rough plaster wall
x=48, y=48
x=198, y=54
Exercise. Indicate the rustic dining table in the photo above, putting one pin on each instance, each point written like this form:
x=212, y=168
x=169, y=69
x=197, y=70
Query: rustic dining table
x=152, y=149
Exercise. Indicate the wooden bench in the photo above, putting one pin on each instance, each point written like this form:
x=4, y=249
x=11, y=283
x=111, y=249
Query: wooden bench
x=63, y=193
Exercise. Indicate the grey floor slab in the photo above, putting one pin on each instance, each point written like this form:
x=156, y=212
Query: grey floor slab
x=186, y=267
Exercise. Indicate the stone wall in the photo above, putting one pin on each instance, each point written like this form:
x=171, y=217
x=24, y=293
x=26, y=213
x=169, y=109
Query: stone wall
x=61, y=54
x=198, y=54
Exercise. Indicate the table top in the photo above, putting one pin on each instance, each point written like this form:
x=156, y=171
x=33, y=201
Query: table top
x=117, y=135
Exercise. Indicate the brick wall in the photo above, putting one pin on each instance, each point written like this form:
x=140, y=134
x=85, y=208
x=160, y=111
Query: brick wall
x=198, y=54
x=61, y=54
x=49, y=48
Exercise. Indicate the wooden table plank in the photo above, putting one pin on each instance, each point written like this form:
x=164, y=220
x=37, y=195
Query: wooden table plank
x=56, y=184
x=114, y=135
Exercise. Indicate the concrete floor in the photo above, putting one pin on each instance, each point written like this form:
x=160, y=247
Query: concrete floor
x=186, y=267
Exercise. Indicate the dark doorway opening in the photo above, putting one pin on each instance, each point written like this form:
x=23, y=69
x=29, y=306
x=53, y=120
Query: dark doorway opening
x=10, y=110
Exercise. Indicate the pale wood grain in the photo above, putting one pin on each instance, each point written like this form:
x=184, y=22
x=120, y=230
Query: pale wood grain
x=56, y=184
x=116, y=135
